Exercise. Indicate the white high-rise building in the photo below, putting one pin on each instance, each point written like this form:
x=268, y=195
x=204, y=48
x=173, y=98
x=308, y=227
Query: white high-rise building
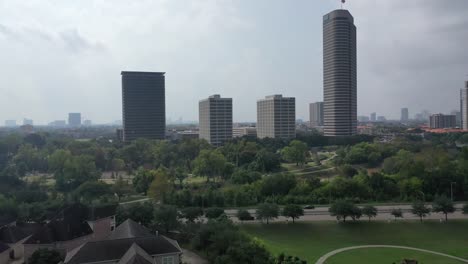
x=215, y=116
x=404, y=115
x=276, y=117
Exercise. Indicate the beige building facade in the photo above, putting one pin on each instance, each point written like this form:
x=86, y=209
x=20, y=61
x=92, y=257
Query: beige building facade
x=276, y=117
x=215, y=117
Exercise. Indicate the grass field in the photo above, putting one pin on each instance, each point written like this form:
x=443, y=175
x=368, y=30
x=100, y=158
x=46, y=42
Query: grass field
x=388, y=255
x=195, y=180
x=42, y=178
x=312, y=240
x=310, y=169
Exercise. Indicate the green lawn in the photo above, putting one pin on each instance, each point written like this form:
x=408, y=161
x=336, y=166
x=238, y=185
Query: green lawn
x=195, y=180
x=46, y=179
x=307, y=170
x=312, y=240
x=388, y=255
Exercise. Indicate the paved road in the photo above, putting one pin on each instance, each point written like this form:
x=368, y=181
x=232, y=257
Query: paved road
x=334, y=252
x=384, y=214
x=322, y=214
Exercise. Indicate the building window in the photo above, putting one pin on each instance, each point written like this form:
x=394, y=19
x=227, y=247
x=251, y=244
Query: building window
x=168, y=260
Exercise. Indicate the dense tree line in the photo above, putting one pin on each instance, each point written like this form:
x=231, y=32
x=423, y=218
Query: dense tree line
x=241, y=173
x=218, y=238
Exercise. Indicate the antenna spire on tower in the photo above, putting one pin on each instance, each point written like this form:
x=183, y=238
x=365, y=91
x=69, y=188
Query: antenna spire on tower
x=342, y=2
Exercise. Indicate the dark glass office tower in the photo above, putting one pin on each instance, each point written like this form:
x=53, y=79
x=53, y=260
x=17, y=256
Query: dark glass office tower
x=143, y=105
x=339, y=74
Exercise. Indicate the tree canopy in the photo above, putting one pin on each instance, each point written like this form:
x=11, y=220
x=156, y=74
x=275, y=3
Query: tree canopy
x=297, y=152
x=267, y=211
x=444, y=205
x=420, y=209
x=343, y=209
x=292, y=211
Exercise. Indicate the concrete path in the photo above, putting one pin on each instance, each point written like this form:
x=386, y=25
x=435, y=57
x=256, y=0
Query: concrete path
x=334, y=252
x=136, y=201
x=192, y=258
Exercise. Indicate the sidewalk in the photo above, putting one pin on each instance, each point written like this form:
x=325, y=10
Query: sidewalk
x=190, y=257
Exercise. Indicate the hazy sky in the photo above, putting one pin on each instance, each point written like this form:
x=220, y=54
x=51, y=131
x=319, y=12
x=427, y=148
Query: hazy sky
x=60, y=56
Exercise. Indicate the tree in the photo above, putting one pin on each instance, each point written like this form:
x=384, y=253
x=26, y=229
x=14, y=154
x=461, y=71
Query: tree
x=142, y=180
x=296, y=152
x=369, y=211
x=192, y=213
x=348, y=171
x=444, y=205
x=76, y=171
x=292, y=210
x=243, y=176
x=179, y=174
x=397, y=213
x=121, y=188
x=283, y=259
x=160, y=185
x=209, y=163
x=138, y=153
x=117, y=165
x=91, y=190
x=277, y=184
x=56, y=161
x=45, y=256
x=343, y=209
x=140, y=213
x=35, y=139
x=420, y=209
x=189, y=149
x=8, y=207
x=267, y=211
x=265, y=161
x=32, y=212
x=244, y=215
x=244, y=252
x=225, y=244
x=213, y=213
x=31, y=194
x=166, y=216
x=30, y=158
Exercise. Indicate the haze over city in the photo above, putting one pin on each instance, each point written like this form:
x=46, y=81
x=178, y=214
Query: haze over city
x=62, y=57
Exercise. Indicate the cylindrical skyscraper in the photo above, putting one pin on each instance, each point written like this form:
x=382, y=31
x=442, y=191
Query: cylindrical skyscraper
x=464, y=106
x=339, y=74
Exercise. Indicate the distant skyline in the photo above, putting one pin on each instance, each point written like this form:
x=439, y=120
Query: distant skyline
x=61, y=56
